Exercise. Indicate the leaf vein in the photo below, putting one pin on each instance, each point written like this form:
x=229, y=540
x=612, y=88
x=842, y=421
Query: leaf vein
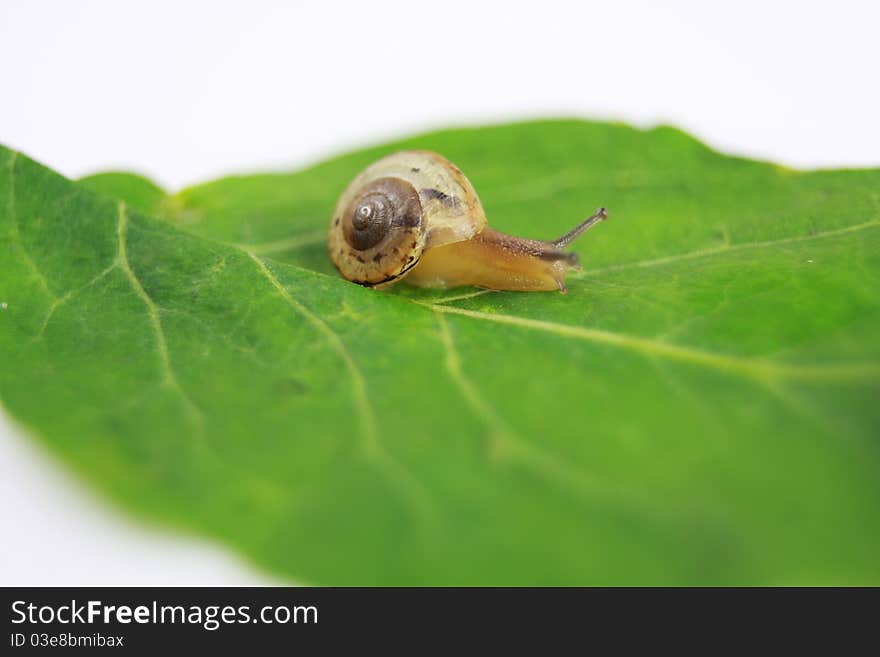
x=276, y=246
x=373, y=449
x=16, y=233
x=168, y=377
x=727, y=248
x=756, y=368
x=60, y=301
x=505, y=443
x=461, y=297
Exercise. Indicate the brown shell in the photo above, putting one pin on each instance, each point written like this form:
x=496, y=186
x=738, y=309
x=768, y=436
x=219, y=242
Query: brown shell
x=394, y=210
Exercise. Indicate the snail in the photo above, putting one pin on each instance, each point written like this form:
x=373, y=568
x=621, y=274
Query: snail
x=414, y=214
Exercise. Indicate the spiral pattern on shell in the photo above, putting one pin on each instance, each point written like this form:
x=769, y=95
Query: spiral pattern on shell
x=377, y=236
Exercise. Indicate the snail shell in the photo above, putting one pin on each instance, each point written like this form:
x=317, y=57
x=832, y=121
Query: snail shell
x=396, y=209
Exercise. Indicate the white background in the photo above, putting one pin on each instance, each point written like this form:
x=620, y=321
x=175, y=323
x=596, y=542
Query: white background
x=187, y=91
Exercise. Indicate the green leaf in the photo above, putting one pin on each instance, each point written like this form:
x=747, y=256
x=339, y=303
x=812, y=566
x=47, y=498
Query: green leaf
x=139, y=192
x=700, y=408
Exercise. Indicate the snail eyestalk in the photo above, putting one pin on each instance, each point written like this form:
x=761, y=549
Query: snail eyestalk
x=600, y=215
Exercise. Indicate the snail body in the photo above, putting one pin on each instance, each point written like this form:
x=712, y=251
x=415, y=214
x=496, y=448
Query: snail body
x=414, y=214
